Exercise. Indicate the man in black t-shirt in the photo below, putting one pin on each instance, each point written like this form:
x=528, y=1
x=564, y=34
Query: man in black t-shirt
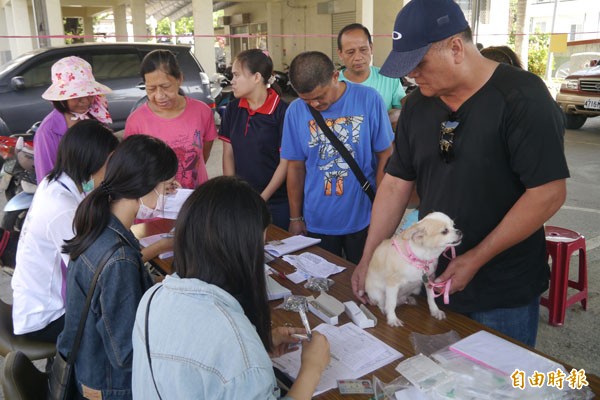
x=483, y=143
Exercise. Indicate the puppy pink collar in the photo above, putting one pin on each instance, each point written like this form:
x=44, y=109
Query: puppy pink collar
x=410, y=256
x=439, y=288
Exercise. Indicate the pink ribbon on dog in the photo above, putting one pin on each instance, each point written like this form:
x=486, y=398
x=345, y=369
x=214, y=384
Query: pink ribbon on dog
x=443, y=288
x=439, y=288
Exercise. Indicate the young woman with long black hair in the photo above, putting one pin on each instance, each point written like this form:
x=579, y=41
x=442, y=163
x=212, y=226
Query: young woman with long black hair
x=136, y=178
x=39, y=281
x=209, y=324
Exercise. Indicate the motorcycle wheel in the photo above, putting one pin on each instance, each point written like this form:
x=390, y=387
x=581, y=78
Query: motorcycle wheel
x=13, y=220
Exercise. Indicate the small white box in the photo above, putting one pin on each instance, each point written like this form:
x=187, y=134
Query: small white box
x=362, y=317
x=326, y=307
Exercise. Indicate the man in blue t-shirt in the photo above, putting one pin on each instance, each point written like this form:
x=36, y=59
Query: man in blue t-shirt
x=326, y=199
x=355, y=49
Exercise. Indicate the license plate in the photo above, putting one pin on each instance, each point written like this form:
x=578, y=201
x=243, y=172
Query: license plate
x=592, y=104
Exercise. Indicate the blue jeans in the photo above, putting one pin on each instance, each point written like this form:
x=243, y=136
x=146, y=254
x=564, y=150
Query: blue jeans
x=520, y=323
x=280, y=213
x=349, y=246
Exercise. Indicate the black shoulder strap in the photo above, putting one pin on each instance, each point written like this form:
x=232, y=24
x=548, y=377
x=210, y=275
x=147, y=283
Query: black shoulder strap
x=148, y=340
x=339, y=146
x=88, y=302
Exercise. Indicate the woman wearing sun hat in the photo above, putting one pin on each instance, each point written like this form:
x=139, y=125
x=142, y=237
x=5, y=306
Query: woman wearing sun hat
x=75, y=95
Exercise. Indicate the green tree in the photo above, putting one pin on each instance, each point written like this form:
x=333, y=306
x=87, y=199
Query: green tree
x=512, y=23
x=539, y=43
x=163, y=27
x=183, y=26
x=74, y=27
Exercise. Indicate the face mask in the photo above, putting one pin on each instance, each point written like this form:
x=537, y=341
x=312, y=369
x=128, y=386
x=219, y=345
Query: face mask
x=88, y=186
x=145, y=212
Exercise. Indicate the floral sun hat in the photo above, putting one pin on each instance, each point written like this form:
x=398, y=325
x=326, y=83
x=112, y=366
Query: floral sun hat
x=72, y=78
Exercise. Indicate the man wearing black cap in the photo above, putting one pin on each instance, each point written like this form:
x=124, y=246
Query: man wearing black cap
x=483, y=143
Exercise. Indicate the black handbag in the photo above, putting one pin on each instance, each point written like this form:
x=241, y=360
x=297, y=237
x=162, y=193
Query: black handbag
x=339, y=146
x=61, y=382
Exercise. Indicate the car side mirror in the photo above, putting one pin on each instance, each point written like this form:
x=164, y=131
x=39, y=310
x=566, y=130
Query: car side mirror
x=17, y=83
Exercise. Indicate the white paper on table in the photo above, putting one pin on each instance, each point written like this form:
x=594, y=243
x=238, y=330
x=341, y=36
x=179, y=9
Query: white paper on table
x=309, y=264
x=149, y=240
x=297, y=276
x=290, y=244
x=354, y=353
x=501, y=355
x=173, y=202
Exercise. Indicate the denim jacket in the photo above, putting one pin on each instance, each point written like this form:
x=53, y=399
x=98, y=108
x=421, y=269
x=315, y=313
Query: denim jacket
x=105, y=353
x=202, y=346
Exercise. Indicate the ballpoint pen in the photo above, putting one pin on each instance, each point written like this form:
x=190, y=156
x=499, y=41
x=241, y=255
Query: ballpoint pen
x=278, y=273
x=304, y=319
x=299, y=336
x=170, y=234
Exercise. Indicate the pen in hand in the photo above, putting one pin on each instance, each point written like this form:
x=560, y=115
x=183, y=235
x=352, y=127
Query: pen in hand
x=170, y=234
x=304, y=319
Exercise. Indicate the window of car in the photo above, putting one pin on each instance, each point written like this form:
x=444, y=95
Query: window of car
x=39, y=74
x=113, y=66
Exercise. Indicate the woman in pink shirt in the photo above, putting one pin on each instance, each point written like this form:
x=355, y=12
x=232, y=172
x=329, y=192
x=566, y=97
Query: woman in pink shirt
x=185, y=124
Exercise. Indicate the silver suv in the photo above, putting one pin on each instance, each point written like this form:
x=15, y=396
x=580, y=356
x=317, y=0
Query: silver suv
x=579, y=96
x=117, y=65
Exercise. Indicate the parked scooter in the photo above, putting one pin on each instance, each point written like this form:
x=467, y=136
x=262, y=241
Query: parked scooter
x=222, y=92
x=283, y=81
x=17, y=177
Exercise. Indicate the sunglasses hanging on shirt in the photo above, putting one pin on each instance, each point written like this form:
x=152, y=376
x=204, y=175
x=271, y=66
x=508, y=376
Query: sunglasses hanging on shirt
x=447, y=135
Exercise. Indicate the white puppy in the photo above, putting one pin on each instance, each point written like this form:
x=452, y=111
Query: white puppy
x=400, y=265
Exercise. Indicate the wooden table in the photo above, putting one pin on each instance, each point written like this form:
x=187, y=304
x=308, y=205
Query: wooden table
x=415, y=318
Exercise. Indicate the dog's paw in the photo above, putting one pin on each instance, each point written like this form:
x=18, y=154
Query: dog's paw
x=394, y=321
x=439, y=314
x=411, y=300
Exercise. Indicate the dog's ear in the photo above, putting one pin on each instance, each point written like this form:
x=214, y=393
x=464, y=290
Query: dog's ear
x=418, y=235
x=415, y=233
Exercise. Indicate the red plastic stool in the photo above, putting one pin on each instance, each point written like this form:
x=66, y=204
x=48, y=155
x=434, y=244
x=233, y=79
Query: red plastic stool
x=561, y=243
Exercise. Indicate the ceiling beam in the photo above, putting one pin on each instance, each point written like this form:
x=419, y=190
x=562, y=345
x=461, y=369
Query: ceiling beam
x=89, y=3
x=184, y=11
x=83, y=11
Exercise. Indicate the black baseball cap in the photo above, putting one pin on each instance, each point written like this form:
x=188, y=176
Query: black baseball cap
x=419, y=24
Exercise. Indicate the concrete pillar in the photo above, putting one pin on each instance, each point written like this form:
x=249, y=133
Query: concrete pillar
x=55, y=22
x=153, y=24
x=274, y=21
x=18, y=23
x=138, y=20
x=4, y=42
x=173, y=32
x=88, y=28
x=48, y=22
x=120, y=21
x=364, y=13
x=202, y=12
x=383, y=26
